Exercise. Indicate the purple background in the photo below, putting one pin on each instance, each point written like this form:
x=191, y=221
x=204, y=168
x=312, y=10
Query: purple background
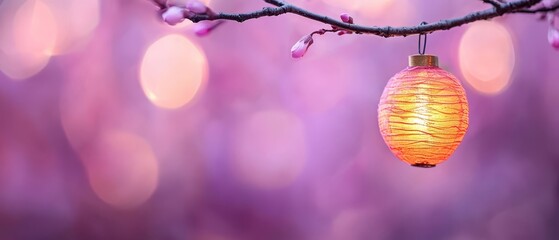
x=203, y=170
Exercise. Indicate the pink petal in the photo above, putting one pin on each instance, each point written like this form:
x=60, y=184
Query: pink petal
x=173, y=15
x=205, y=27
x=196, y=7
x=346, y=18
x=553, y=37
x=300, y=48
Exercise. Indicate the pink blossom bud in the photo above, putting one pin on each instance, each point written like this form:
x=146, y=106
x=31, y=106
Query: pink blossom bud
x=196, y=7
x=300, y=48
x=553, y=37
x=173, y=15
x=346, y=18
x=205, y=27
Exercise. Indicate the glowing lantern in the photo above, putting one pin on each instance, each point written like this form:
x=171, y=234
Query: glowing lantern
x=423, y=113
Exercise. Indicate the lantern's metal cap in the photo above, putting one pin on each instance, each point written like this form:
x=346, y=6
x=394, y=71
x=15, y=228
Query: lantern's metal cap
x=423, y=60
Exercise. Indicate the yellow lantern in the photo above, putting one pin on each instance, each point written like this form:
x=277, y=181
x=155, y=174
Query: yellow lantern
x=423, y=113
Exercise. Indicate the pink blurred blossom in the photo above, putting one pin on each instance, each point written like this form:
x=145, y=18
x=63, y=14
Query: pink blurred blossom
x=300, y=48
x=205, y=27
x=553, y=37
x=196, y=7
x=346, y=18
x=173, y=15
x=553, y=19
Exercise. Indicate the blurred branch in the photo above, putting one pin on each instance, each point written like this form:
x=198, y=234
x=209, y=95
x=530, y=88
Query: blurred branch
x=281, y=7
x=539, y=10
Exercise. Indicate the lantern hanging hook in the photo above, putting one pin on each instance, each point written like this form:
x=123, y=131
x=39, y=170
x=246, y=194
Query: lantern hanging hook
x=422, y=51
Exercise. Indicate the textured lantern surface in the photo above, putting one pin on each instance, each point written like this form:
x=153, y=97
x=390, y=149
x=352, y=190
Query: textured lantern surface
x=423, y=113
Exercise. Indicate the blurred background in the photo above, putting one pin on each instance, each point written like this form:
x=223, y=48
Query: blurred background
x=115, y=125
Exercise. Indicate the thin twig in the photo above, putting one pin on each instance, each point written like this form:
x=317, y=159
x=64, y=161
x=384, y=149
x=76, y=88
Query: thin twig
x=495, y=4
x=281, y=7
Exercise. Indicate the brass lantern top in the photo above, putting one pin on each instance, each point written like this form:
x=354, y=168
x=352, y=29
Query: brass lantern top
x=423, y=60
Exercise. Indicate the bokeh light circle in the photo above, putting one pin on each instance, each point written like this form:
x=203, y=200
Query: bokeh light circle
x=172, y=72
x=269, y=149
x=75, y=20
x=27, y=43
x=122, y=169
x=487, y=56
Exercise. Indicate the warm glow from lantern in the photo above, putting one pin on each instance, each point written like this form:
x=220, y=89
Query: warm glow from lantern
x=423, y=115
x=27, y=44
x=487, y=56
x=172, y=71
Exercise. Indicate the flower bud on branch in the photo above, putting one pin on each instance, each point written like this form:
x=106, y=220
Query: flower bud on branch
x=553, y=19
x=173, y=15
x=346, y=18
x=553, y=37
x=300, y=48
x=204, y=28
x=175, y=11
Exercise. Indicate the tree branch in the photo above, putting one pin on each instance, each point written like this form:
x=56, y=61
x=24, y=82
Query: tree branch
x=281, y=7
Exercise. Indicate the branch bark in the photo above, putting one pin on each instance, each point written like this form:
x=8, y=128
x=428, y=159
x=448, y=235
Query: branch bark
x=282, y=7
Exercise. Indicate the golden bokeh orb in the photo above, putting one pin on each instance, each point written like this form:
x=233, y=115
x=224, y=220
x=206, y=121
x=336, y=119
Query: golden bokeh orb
x=173, y=71
x=486, y=56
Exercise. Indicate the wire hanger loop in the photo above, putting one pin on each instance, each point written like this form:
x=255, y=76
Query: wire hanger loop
x=424, y=35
